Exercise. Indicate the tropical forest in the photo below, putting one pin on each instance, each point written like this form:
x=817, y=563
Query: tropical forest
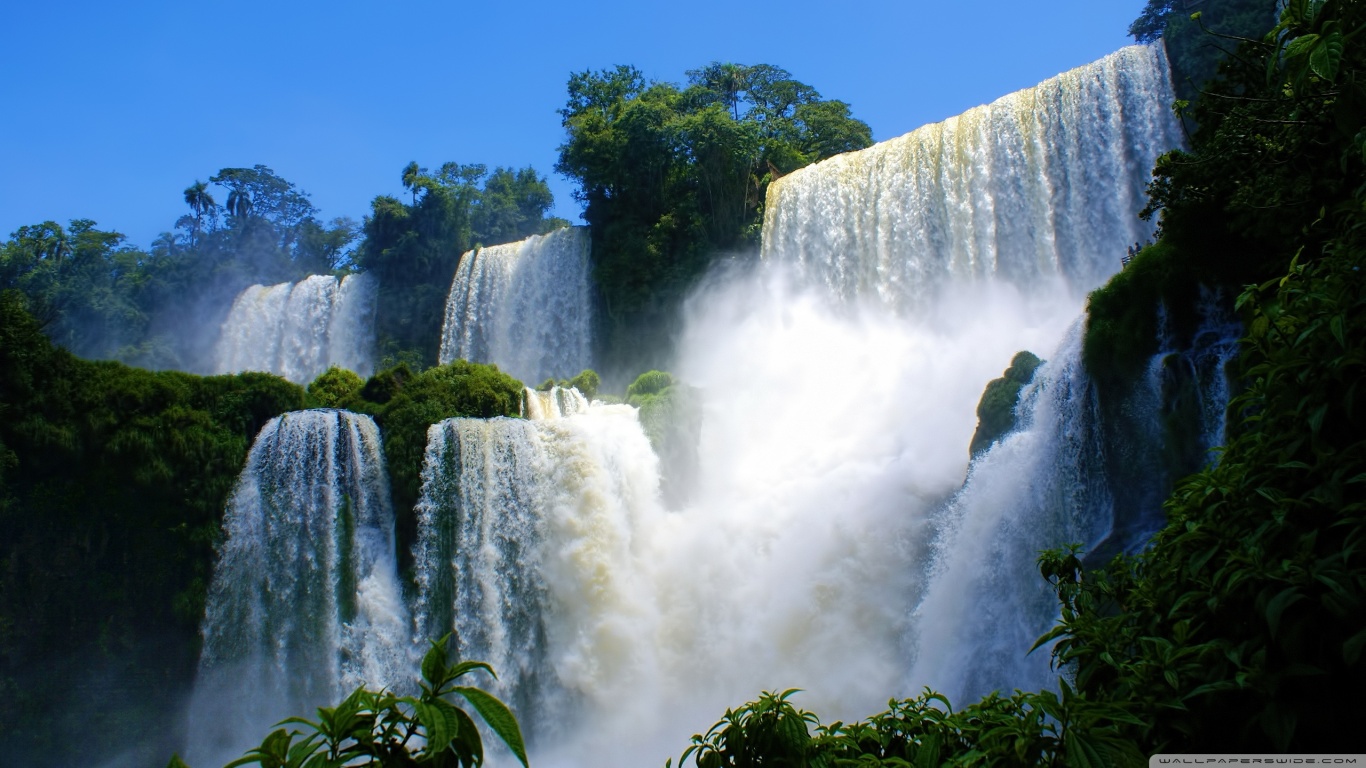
x=1031, y=437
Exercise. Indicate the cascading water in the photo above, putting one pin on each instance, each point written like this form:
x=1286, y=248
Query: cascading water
x=304, y=604
x=299, y=329
x=524, y=306
x=526, y=551
x=1042, y=183
x=830, y=543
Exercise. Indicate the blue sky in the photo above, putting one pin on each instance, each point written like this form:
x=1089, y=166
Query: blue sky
x=109, y=110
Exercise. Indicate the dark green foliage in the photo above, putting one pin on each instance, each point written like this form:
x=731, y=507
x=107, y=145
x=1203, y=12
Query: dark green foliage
x=1027, y=729
x=996, y=409
x=672, y=176
x=336, y=388
x=416, y=402
x=113, y=481
x=413, y=249
x=1196, y=46
x=1122, y=316
x=1244, y=623
x=100, y=298
x=382, y=729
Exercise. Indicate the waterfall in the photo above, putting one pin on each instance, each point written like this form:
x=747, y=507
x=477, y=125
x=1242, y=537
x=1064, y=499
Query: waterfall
x=1043, y=183
x=524, y=306
x=298, y=330
x=304, y=604
x=526, y=552
x=830, y=542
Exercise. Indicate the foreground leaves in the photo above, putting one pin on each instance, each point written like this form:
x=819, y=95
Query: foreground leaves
x=379, y=728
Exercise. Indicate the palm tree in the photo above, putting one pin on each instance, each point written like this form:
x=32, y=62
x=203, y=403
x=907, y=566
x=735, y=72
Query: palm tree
x=201, y=202
x=412, y=176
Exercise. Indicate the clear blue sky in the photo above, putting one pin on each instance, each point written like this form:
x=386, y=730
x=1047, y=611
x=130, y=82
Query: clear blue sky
x=109, y=110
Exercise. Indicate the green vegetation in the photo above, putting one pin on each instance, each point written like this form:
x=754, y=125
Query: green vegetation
x=1196, y=46
x=113, y=481
x=336, y=388
x=672, y=177
x=414, y=248
x=101, y=298
x=996, y=409
x=1242, y=625
x=380, y=728
x=1027, y=729
x=671, y=416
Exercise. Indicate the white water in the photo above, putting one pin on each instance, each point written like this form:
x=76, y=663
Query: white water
x=830, y=543
x=524, y=306
x=1044, y=182
x=827, y=545
x=304, y=604
x=298, y=330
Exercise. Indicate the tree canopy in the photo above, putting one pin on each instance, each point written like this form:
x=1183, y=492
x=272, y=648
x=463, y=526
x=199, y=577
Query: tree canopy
x=672, y=176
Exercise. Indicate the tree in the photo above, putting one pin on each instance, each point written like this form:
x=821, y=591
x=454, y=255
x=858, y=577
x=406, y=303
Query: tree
x=201, y=202
x=412, y=175
x=672, y=176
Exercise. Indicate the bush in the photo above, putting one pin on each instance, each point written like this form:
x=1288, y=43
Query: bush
x=335, y=388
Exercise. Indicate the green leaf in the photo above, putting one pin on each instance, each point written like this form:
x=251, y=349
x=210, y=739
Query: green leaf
x=1351, y=650
x=1278, y=605
x=434, y=663
x=466, y=667
x=498, y=717
x=439, y=717
x=176, y=762
x=467, y=743
x=1326, y=56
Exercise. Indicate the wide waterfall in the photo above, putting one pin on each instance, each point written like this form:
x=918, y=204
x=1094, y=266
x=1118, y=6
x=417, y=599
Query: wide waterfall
x=298, y=330
x=524, y=306
x=831, y=542
x=1042, y=183
x=304, y=604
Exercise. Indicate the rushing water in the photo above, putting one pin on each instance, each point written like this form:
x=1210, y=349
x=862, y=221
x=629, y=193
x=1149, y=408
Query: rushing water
x=524, y=306
x=299, y=329
x=1044, y=182
x=304, y=604
x=831, y=542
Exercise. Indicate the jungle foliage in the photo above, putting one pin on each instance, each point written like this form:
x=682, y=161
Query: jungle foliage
x=405, y=404
x=1196, y=46
x=671, y=176
x=413, y=248
x=381, y=729
x=1246, y=620
x=100, y=297
x=113, y=481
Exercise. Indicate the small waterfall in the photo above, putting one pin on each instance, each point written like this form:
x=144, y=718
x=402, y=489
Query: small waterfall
x=525, y=552
x=1041, y=184
x=1072, y=472
x=304, y=604
x=524, y=306
x=1040, y=487
x=298, y=330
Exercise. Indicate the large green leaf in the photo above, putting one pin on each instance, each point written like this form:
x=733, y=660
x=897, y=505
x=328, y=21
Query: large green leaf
x=439, y=717
x=498, y=717
x=1326, y=56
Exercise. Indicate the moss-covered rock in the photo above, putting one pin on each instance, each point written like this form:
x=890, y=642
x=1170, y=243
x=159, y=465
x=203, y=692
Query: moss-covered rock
x=996, y=409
